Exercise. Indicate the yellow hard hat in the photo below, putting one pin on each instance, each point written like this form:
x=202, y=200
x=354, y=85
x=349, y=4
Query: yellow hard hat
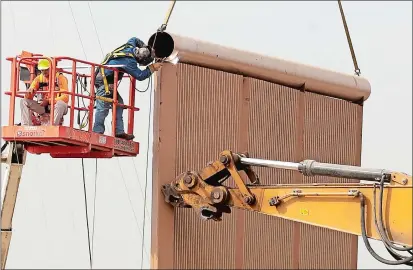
x=43, y=64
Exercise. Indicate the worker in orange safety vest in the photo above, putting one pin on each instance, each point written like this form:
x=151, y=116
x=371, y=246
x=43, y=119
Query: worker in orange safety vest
x=29, y=105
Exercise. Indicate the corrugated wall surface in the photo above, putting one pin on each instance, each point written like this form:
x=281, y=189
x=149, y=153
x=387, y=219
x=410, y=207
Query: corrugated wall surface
x=214, y=111
x=332, y=133
x=207, y=123
x=272, y=134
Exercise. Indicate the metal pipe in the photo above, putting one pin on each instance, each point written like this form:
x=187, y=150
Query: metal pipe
x=313, y=168
x=60, y=58
x=52, y=88
x=270, y=163
x=71, y=67
x=275, y=70
x=13, y=88
x=92, y=94
x=78, y=67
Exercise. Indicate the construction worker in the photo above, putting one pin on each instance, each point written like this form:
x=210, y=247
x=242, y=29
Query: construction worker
x=128, y=56
x=28, y=105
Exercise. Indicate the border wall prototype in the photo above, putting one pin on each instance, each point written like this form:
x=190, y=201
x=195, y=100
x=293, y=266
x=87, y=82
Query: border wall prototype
x=219, y=98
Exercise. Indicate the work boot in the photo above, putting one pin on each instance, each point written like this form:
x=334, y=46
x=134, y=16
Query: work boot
x=125, y=136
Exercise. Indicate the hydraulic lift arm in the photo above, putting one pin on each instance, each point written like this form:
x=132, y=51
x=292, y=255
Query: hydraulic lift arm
x=15, y=160
x=381, y=209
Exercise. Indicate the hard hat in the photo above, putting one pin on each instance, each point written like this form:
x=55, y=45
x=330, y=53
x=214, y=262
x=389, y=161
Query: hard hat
x=43, y=64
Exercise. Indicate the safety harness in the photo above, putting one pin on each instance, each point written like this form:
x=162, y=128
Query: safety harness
x=45, y=84
x=117, y=53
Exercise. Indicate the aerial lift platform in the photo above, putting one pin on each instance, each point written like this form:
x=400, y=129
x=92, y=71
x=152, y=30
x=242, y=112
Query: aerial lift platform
x=67, y=141
x=58, y=141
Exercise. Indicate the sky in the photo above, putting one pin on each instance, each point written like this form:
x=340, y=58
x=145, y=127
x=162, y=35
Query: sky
x=49, y=222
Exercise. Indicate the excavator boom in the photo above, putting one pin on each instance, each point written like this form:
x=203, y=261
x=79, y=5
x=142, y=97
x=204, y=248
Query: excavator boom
x=380, y=209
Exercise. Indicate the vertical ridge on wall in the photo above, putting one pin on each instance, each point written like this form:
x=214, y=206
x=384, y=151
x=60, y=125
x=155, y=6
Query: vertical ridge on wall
x=331, y=134
x=298, y=177
x=164, y=143
x=207, y=123
x=272, y=135
x=325, y=249
x=243, y=144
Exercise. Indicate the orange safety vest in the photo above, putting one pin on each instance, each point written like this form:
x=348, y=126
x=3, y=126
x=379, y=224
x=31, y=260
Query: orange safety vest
x=43, y=84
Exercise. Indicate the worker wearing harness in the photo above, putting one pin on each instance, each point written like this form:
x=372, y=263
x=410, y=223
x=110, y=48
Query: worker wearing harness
x=27, y=104
x=129, y=55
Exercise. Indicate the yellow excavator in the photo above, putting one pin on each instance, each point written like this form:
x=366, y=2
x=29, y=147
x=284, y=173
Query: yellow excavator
x=350, y=208
x=378, y=208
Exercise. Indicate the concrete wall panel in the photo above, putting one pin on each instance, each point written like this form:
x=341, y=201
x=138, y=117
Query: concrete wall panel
x=201, y=112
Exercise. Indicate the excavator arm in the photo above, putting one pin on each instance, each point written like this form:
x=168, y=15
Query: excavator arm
x=380, y=209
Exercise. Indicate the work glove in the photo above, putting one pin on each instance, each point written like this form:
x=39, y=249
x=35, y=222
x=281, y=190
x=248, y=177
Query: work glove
x=155, y=67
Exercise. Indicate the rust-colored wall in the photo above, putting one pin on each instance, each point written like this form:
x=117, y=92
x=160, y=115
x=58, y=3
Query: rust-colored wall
x=198, y=113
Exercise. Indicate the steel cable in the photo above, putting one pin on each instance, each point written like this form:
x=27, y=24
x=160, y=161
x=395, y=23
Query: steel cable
x=83, y=168
x=87, y=216
x=350, y=44
x=146, y=170
x=94, y=209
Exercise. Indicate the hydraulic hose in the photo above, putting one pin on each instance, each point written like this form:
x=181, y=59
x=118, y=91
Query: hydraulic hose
x=366, y=241
x=398, y=256
x=383, y=238
x=381, y=229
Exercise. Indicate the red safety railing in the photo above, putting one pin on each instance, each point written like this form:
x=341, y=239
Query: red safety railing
x=31, y=62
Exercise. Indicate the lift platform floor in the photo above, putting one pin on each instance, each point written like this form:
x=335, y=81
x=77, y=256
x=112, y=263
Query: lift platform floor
x=66, y=142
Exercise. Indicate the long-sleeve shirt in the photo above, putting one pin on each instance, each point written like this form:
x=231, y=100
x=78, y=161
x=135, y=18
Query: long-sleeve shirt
x=62, y=86
x=130, y=65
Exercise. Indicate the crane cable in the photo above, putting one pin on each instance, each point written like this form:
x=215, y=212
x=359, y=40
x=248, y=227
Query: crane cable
x=85, y=119
x=350, y=44
x=83, y=168
x=160, y=29
x=146, y=173
x=82, y=125
x=87, y=216
x=400, y=259
x=150, y=85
